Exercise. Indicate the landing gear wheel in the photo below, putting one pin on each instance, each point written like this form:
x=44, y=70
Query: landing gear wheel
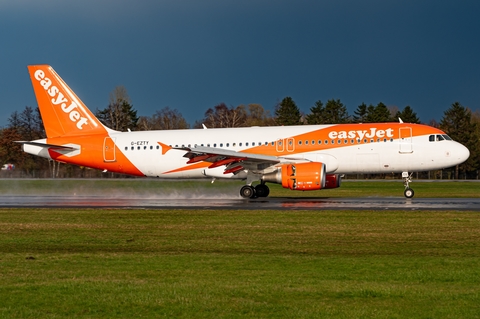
x=247, y=191
x=409, y=193
x=262, y=190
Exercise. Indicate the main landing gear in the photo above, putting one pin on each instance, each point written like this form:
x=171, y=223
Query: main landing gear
x=407, y=178
x=248, y=191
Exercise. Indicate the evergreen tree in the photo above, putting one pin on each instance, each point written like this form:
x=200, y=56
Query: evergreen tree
x=457, y=123
x=377, y=114
x=360, y=114
x=316, y=114
x=407, y=115
x=119, y=116
x=287, y=112
x=336, y=112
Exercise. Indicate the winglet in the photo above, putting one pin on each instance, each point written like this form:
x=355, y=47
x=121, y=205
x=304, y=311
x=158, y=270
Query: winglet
x=165, y=147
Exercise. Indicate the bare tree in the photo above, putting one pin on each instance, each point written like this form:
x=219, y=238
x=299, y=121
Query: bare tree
x=223, y=116
x=164, y=119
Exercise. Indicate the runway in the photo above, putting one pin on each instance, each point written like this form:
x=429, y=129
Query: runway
x=320, y=203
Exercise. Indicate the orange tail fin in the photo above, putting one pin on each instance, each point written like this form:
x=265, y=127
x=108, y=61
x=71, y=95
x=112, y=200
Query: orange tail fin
x=63, y=113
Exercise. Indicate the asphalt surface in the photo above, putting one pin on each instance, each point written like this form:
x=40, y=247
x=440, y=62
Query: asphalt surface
x=321, y=203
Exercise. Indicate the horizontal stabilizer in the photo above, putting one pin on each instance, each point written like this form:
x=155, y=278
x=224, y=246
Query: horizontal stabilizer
x=53, y=146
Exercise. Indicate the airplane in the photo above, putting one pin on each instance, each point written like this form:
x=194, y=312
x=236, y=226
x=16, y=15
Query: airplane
x=302, y=158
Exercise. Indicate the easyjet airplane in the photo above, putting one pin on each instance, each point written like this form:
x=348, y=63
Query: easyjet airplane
x=306, y=157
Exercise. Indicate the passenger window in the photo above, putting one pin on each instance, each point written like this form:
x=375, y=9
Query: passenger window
x=126, y=148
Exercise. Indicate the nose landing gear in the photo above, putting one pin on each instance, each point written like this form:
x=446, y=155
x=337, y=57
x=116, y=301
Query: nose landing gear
x=407, y=178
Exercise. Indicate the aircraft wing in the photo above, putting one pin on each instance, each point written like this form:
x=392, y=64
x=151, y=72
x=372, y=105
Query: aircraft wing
x=234, y=161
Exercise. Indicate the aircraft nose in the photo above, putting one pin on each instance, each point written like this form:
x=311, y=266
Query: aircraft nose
x=461, y=153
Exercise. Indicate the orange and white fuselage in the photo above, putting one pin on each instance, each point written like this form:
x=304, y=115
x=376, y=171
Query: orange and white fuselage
x=306, y=157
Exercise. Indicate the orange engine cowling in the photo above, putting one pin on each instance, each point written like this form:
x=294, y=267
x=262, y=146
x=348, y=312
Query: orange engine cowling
x=300, y=176
x=303, y=177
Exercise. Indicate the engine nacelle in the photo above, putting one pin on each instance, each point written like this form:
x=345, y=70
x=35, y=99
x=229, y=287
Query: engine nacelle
x=333, y=181
x=302, y=176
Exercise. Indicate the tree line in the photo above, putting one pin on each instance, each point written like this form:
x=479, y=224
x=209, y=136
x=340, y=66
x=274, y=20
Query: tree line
x=459, y=122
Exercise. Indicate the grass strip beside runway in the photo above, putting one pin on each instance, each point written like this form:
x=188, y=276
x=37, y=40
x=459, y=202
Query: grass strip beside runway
x=115, y=263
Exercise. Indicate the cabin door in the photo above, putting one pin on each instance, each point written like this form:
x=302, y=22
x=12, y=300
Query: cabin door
x=109, y=150
x=405, y=140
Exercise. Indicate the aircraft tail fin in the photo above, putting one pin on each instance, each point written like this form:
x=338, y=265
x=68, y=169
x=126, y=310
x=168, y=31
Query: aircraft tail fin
x=63, y=113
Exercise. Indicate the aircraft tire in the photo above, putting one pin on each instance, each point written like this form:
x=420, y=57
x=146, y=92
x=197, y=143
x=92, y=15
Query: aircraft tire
x=247, y=191
x=262, y=190
x=408, y=193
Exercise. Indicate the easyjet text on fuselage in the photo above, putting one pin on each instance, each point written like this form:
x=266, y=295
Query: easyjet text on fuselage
x=360, y=134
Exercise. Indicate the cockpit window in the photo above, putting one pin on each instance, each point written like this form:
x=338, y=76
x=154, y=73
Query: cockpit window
x=439, y=137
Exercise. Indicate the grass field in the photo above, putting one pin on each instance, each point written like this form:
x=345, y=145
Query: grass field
x=115, y=263
x=89, y=263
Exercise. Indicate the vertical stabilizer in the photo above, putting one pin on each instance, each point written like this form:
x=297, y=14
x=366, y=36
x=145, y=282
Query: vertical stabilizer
x=63, y=113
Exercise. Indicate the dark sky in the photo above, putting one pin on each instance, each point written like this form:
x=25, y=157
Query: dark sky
x=191, y=55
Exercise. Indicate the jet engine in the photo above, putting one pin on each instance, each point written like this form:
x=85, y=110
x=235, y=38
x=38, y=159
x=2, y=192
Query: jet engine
x=303, y=177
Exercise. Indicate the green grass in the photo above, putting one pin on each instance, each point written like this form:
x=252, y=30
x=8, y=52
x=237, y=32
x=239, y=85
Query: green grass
x=154, y=186
x=115, y=263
